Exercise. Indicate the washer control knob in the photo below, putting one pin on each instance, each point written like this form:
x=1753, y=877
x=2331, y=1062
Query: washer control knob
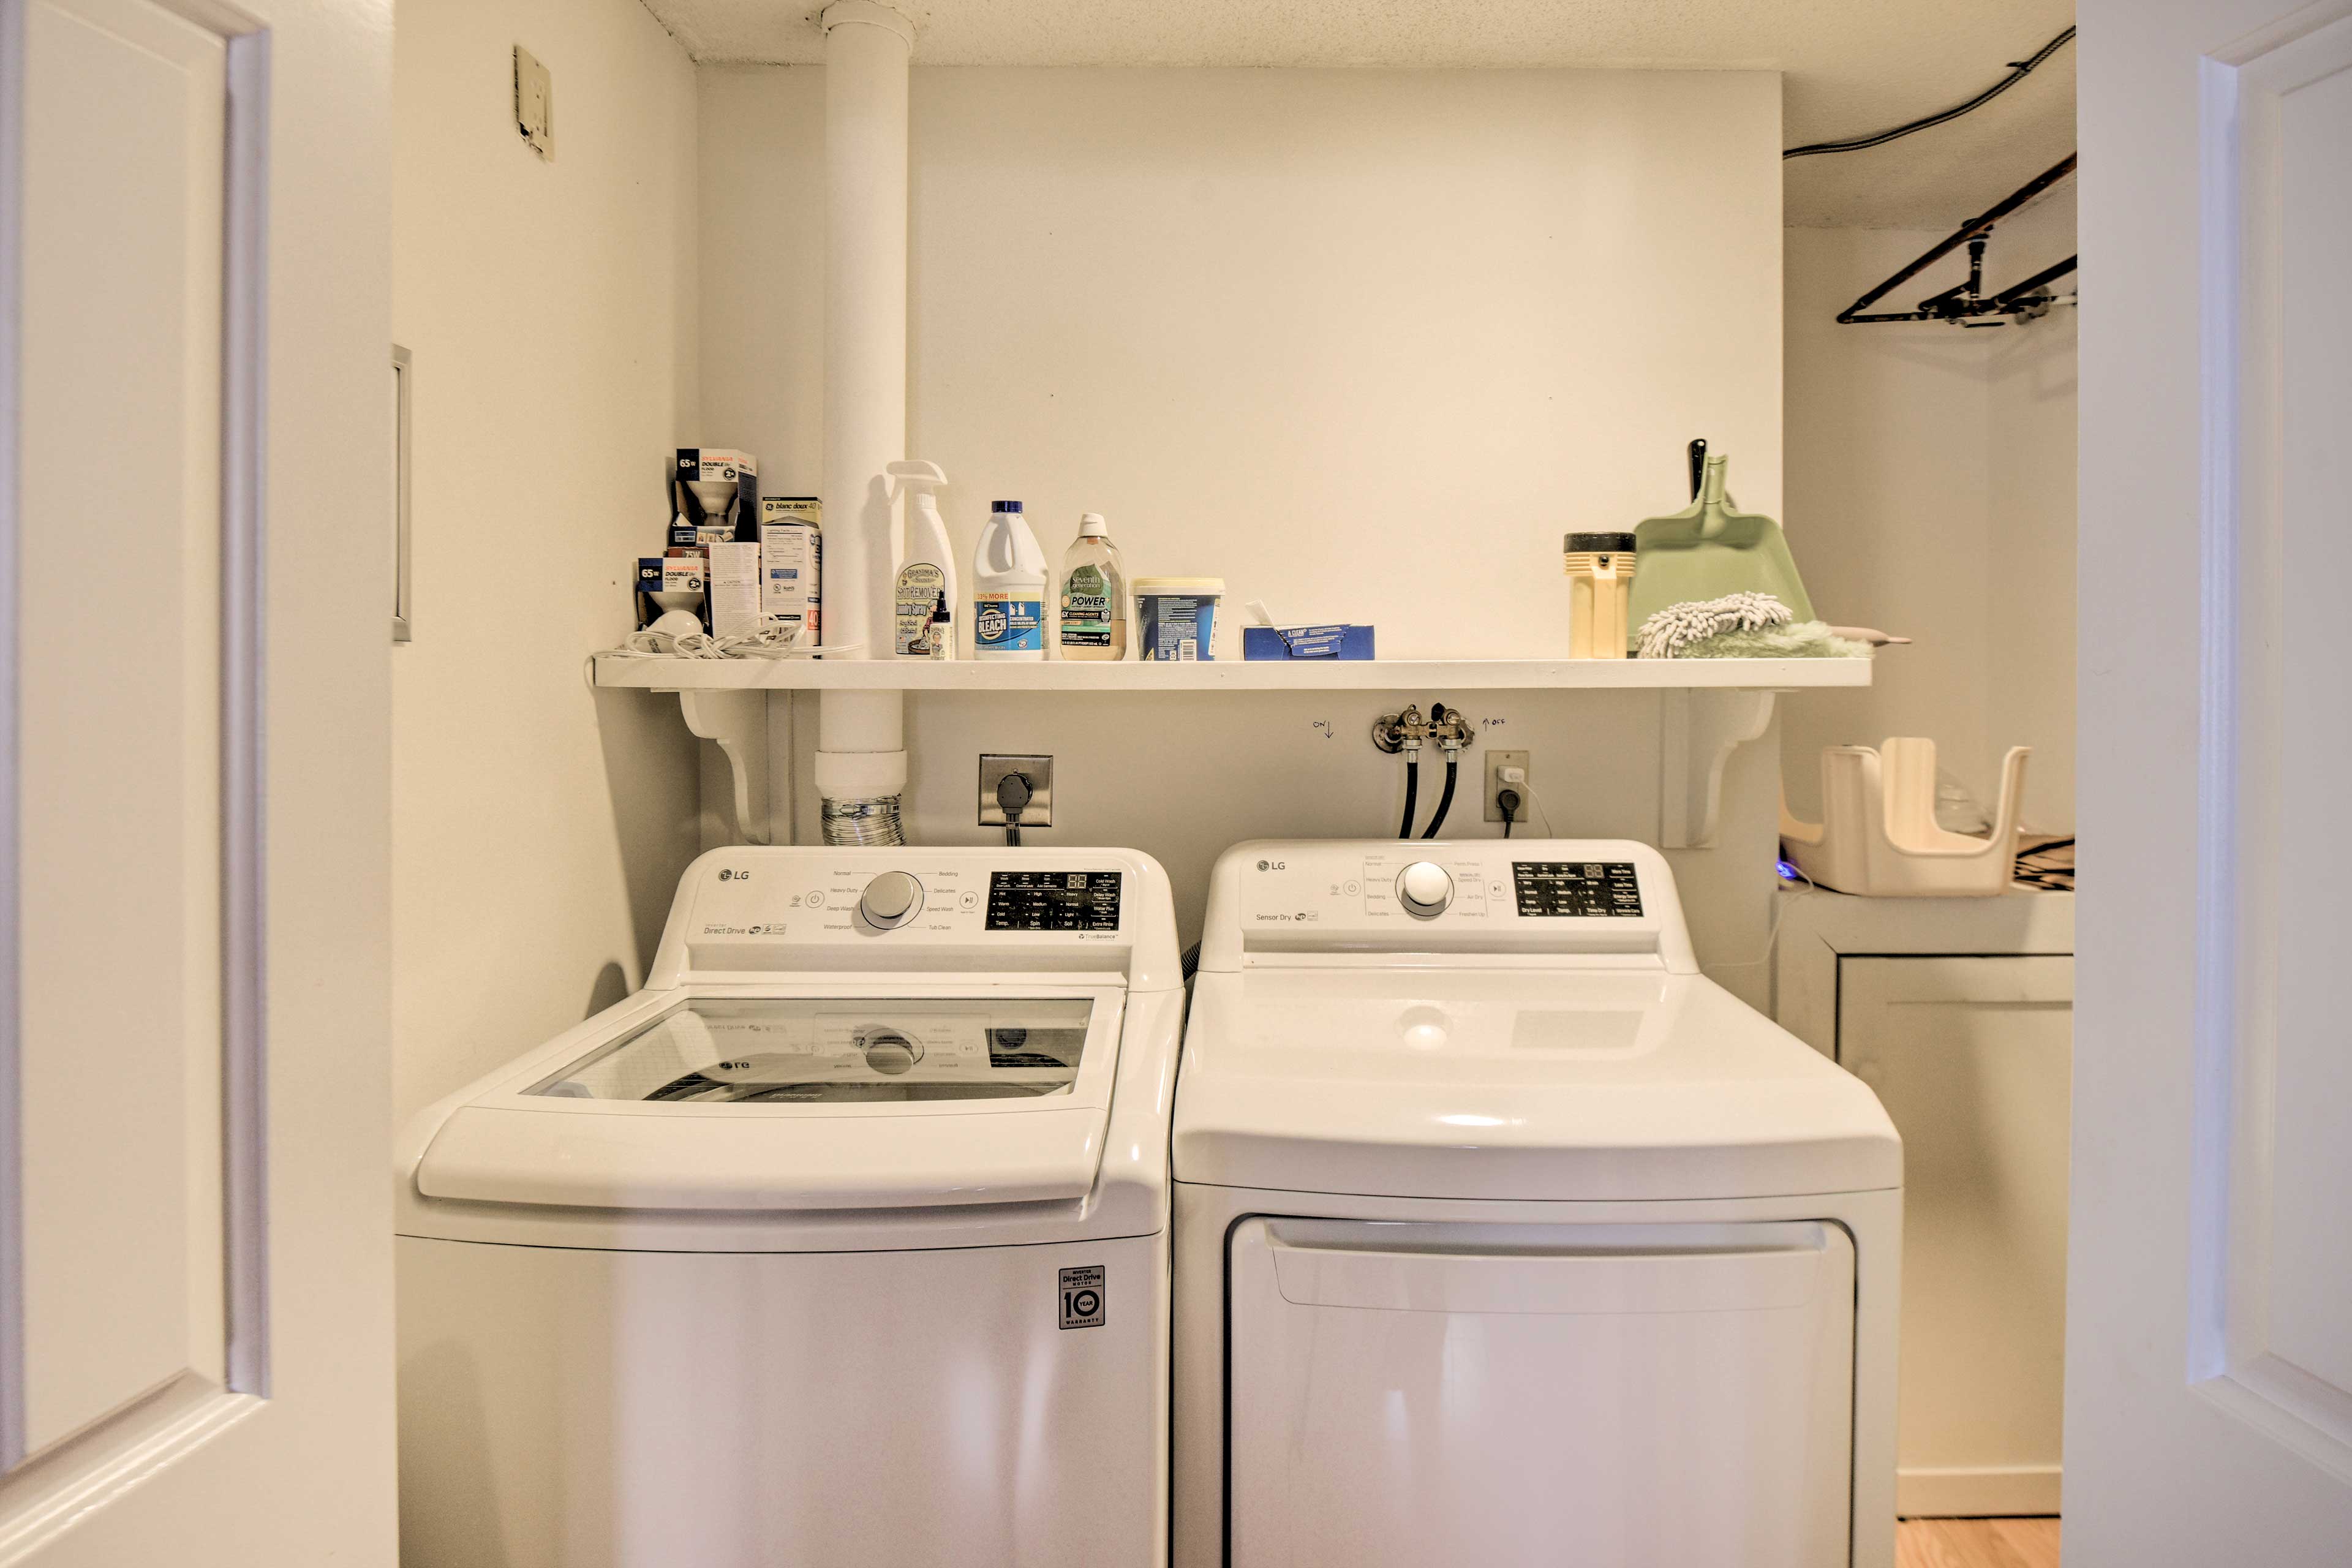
x=890, y=900
x=889, y=1051
x=1424, y=890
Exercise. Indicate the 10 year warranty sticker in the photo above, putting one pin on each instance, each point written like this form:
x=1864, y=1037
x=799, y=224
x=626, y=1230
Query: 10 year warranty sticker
x=1082, y=1297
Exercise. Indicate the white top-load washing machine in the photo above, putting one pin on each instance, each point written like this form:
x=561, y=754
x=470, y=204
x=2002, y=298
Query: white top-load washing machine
x=1503, y=1236
x=843, y=1241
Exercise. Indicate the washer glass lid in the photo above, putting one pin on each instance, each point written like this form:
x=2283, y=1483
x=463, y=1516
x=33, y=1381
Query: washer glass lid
x=771, y=1050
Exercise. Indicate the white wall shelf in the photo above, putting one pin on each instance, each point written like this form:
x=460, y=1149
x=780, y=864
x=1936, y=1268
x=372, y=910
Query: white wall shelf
x=1709, y=708
x=1442, y=676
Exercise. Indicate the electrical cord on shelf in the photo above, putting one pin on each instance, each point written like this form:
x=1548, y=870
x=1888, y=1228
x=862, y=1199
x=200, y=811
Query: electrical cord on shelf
x=653, y=643
x=1412, y=788
x=2018, y=71
x=1012, y=796
x=1445, y=799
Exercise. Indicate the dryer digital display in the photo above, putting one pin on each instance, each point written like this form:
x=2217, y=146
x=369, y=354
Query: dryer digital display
x=1577, y=888
x=1053, y=901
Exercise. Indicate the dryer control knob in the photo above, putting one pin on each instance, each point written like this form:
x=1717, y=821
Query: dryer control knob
x=1425, y=889
x=890, y=900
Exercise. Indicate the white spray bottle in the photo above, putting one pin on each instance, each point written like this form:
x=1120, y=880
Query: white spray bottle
x=924, y=595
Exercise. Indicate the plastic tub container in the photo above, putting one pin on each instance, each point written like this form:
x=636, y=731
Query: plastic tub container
x=1176, y=618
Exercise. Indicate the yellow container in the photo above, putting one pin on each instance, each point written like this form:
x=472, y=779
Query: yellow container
x=1599, y=589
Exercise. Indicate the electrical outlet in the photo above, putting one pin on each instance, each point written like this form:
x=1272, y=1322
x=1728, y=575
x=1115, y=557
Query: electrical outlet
x=1039, y=812
x=534, y=103
x=1496, y=763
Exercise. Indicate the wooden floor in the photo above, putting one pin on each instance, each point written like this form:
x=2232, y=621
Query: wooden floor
x=1976, y=1544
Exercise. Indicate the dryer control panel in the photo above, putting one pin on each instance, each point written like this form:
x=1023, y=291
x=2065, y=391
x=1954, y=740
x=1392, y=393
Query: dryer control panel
x=1295, y=900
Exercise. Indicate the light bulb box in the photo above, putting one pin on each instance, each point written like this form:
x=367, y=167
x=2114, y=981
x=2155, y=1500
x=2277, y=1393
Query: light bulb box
x=1342, y=642
x=690, y=527
x=680, y=575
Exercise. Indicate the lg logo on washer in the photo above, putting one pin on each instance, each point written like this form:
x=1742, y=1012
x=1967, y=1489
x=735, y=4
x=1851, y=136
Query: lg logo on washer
x=730, y=876
x=1273, y=865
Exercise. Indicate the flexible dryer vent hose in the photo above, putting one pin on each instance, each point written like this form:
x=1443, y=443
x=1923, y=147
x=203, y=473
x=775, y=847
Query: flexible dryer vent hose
x=863, y=822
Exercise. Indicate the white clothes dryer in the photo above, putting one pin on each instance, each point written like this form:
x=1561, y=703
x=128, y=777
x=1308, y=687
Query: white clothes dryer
x=842, y=1242
x=1505, y=1236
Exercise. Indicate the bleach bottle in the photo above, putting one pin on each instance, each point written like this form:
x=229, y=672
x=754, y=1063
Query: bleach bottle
x=1008, y=588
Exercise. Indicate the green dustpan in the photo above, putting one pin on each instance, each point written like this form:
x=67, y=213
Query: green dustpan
x=1706, y=550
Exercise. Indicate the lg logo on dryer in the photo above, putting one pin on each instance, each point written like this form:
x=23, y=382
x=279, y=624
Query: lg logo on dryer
x=1273, y=865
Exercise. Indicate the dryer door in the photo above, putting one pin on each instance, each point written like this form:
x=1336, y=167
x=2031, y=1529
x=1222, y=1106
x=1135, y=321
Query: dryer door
x=1640, y=1396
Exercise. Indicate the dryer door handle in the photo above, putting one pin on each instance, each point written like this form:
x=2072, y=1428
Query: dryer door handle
x=1578, y=1282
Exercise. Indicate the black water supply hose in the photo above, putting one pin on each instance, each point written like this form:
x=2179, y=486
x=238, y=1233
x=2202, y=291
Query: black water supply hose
x=1444, y=800
x=1412, y=788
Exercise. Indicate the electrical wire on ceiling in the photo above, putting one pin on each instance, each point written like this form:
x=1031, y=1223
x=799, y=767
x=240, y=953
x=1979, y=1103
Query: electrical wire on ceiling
x=2018, y=71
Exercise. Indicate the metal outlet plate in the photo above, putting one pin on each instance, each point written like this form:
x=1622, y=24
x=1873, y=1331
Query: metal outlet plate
x=1496, y=763
x=1039, y=812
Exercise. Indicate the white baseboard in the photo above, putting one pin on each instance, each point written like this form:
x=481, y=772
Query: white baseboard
x=1981, y=1492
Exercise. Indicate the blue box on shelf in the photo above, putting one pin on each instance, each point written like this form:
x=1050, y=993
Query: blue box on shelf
x=1307, y=642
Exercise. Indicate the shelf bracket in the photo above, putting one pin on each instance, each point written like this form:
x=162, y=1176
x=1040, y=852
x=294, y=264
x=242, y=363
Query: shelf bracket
x=737, y=721
x=1698, y=730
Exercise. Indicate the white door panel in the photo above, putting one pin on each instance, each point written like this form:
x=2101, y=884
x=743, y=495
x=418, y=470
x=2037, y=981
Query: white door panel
x=2210, y=1350
x=118, y=735
x=194, y=1281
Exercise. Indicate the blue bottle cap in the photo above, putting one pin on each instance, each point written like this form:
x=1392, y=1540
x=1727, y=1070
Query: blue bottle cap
x=1007, y=505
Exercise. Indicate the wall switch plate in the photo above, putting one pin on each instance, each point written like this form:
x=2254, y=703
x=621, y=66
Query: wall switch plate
x=1039, y=812
x=534, y=103
x=1496, y=763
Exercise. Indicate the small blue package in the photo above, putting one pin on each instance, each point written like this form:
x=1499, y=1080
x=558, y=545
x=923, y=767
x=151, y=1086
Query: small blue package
x=1307, y=642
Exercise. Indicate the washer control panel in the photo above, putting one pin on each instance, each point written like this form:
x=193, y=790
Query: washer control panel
x=817, y=896
x=1053, y=901
x=938, y=910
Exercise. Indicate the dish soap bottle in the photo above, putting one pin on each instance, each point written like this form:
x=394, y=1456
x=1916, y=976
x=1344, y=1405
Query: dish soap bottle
x=922, y=627
x=1094, y=594
x=1008, y=588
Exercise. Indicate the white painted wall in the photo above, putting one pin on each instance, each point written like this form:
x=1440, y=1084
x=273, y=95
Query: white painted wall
x=1931, y=493
x=539, y=828
x=1365, y=344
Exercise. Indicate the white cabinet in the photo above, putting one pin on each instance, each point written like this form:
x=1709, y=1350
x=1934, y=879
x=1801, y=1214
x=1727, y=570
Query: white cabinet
x=1960, y=1014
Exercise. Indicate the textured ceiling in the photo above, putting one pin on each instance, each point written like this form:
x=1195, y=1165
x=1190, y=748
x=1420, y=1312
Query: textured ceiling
x=1852, y=66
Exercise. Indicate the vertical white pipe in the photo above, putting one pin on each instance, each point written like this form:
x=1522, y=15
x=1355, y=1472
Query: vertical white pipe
x=861, y=751
x=866, y=51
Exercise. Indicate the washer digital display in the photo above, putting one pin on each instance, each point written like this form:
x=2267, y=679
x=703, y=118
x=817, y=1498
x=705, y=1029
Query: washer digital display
x=1053, y=901
x=1578, y=888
